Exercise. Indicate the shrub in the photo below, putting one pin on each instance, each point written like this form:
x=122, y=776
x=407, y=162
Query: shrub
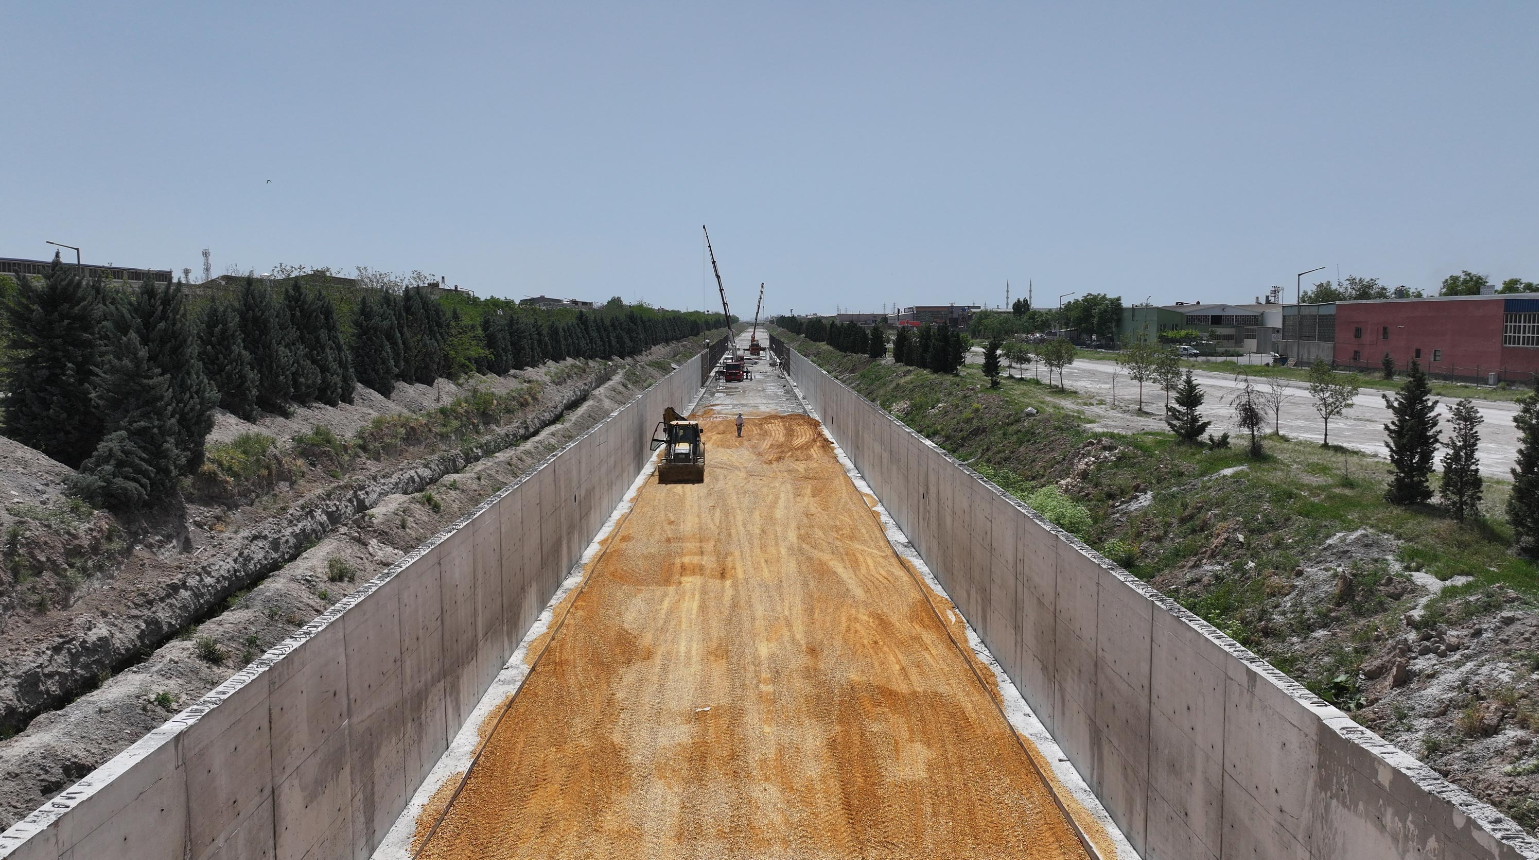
x=1060, y=510
x=339, y=570
x=430, y=501
x=1121, y=552
x=164, y=700
x=209, y=651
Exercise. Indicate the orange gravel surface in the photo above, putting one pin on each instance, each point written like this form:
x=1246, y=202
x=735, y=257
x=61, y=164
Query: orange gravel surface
x=749, y=671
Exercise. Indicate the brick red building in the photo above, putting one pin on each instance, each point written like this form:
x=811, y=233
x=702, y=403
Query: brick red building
x=1459, y=337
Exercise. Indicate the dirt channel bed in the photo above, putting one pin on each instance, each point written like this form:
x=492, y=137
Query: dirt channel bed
x=749, y=671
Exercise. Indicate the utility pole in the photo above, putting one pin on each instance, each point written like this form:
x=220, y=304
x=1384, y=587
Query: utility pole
x=1007, y=295
x=1298, y=319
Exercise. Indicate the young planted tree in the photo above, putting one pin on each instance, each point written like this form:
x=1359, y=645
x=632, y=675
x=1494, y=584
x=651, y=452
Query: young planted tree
x=264, y=331
x=1462, y=485
x=1016, y=353
x=1523, y=504
x=136, y=462
x=1250, y=415
x=56, y=330
x=225, y=359
x=1388, y=363
x=1332, y=393
x=1138, y=359
x=1056, y=354
x=1183, y=418
x=1167, y=369
x=1271, y=399
x=991, y=362
x=1412, y=439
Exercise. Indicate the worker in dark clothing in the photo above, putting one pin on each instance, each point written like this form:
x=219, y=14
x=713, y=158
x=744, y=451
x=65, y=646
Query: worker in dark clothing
x=740, y=424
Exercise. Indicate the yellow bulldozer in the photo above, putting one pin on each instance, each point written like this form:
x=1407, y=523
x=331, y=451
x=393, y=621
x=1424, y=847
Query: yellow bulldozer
x=683, y=451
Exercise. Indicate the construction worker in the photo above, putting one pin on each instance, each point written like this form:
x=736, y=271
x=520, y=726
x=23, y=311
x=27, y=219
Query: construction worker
x=740, y=424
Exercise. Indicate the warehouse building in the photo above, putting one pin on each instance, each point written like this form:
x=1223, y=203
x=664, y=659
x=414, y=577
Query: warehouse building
x=1489, y=339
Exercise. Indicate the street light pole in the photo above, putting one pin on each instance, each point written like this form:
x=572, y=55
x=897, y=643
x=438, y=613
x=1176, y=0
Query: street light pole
x=71, y=247
x=1298, y=319
x=1060, y=311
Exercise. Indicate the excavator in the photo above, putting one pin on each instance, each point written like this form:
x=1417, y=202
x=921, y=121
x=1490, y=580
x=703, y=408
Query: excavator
x=683, y=451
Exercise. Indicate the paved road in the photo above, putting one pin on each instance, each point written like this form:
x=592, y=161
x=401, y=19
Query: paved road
x=1362, y=428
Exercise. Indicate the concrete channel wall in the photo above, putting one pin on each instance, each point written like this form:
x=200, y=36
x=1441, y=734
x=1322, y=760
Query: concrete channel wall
x=1196, y=747
x=313, y=750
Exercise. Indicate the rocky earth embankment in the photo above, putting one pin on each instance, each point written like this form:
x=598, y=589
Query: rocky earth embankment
x=182, y=611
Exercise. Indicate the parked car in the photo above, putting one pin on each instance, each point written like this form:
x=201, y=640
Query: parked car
x=1187, y=351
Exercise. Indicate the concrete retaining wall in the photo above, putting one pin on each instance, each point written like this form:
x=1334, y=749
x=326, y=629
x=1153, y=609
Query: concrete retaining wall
x=1196, y=747
x=313, y=750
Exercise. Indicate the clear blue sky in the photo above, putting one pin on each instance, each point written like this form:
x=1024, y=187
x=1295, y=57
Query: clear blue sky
x=855, y=155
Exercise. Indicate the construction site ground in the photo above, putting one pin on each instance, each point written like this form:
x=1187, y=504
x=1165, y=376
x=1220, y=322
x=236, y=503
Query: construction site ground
x=747, y=668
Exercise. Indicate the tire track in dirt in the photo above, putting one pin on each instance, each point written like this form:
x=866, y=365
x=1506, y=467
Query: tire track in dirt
x=750, y=671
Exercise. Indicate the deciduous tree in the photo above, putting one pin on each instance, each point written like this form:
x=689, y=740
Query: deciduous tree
x=1332, y=393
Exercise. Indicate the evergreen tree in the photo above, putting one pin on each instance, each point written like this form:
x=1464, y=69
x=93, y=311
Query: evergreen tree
x=900, y=345
x=991, y=362
x=1412, y=440
x=958, y=352
x=499, y=346
x=425, y=339
x=1523, y=504
x=56, y=329
x=526, y=348
x=393, y=308
x=344, y=382
x=1388, y=363
x=878, y=345
x=375, y=344
x=158, y=316
x=555, y=343
x=1183, y=418
x=263, y=331
x=308, y=358
x=136, y=462
x=1462, y=485
x=225, y=359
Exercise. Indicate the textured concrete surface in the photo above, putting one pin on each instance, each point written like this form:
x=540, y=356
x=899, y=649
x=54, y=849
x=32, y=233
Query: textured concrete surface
x=313, y=750
x=1196, y=747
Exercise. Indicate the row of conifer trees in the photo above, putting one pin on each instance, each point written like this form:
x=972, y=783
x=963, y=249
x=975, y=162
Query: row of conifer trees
x=121, y=384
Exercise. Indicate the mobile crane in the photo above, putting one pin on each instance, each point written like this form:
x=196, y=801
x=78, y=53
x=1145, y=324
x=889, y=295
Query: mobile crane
x=732, y=364
x=753, y=340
